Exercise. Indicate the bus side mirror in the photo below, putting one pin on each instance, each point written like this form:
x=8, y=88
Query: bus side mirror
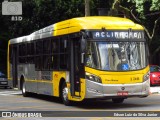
x=83, y=49
x=83, y=45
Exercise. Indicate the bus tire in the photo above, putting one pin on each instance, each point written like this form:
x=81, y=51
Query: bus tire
x=117, y=100
x=64, y=94
x=24, y=92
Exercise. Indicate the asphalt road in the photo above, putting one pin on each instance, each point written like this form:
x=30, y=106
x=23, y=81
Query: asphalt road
x=12, y=100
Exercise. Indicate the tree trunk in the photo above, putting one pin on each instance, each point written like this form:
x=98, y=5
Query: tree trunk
x=87, y=8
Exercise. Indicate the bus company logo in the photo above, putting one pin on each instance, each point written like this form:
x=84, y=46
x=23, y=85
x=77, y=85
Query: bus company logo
x=122, y=88
x=11, y=8
x=56, y=76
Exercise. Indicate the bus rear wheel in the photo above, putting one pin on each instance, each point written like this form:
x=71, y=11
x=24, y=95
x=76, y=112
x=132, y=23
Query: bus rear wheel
x=117, y=100
x=24, y=92
x=64, y=95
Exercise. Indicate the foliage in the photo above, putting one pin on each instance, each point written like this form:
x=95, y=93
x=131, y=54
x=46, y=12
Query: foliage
x=155, y=5
x=147, y=13
x=40, y=13
x=144, y=7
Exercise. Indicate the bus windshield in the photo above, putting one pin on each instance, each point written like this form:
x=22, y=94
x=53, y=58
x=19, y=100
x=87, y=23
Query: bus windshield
x=116, y=56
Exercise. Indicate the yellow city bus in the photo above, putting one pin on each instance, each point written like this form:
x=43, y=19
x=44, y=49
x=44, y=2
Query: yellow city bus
x=96, y=57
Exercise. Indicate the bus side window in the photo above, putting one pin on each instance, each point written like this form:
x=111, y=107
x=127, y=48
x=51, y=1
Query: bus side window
x=63, y=54
x=30, y=53
x=54, y=61
x=22, y=53
x=38, y=56
x=46, y=54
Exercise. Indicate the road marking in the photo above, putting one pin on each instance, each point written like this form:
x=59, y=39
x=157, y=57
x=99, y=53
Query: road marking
x=39, y=107
x=10, y=93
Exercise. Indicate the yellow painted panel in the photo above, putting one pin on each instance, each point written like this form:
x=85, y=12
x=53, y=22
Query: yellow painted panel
x=56, y=80
x=82, y=92
x=83, y=88
x=122, y=79
x=61, y=25
x=94, y=22
x=77, y=93
x=8, y=64
x=127, y=77
x=60, y=32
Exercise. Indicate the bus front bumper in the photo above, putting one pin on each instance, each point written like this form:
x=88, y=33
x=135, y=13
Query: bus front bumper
x=107, y=91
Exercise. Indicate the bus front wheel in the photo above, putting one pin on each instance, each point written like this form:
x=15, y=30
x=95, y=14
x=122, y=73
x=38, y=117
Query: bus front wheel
x=117, y=100
x=64, y=95
x=24, y=92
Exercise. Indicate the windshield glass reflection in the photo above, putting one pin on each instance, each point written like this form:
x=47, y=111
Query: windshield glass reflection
x=116, y=56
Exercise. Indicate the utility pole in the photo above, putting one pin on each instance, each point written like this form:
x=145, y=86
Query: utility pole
x=87, y=8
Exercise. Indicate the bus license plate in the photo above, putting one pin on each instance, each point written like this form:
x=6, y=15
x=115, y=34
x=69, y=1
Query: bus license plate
x=122, y=93
x=3, y=83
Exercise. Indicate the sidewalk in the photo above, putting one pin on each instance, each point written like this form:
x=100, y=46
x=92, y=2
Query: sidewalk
x=155, y=89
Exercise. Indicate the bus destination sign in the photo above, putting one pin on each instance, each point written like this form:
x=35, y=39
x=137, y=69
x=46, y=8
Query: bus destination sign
x=139, y=35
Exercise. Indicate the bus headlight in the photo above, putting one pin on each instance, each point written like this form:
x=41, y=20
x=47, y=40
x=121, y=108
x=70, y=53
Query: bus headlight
x=93, y=78
x=146, y=77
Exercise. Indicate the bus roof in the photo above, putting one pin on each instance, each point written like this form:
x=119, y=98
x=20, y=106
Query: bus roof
x=81, y=23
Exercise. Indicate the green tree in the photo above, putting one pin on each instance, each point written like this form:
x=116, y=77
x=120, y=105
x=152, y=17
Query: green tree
x=146, y=13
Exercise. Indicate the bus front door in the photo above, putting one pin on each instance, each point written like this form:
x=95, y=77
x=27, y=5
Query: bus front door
x=75, y=68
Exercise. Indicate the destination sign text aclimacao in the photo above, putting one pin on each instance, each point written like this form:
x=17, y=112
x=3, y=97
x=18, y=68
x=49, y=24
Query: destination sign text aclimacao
x=139, y=35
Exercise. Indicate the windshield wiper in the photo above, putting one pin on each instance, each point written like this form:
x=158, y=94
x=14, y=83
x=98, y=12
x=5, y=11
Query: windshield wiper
x=113, y=54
